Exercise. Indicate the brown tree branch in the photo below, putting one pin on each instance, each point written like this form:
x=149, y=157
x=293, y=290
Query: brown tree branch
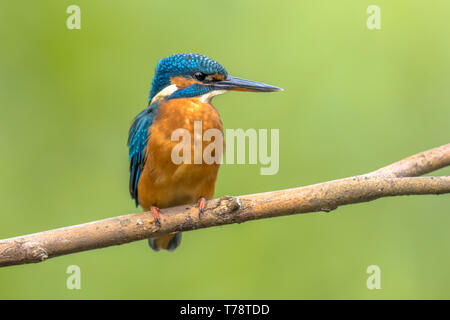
x=418, y=164
x=394, y=180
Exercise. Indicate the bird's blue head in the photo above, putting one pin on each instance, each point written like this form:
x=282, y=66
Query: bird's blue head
x=194, y=75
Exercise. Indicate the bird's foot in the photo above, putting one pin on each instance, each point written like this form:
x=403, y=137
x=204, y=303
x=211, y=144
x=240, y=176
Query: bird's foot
x=155, y=212
x=201, y=205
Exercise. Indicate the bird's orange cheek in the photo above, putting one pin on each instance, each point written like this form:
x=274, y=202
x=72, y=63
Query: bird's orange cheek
x=182, y=82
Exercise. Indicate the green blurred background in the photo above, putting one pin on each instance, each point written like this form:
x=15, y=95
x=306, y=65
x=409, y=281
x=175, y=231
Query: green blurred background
x=354, y=100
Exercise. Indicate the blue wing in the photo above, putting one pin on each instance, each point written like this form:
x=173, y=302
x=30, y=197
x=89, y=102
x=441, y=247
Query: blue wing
x=137, y=144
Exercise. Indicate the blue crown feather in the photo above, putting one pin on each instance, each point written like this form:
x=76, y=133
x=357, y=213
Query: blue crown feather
x=182, y=65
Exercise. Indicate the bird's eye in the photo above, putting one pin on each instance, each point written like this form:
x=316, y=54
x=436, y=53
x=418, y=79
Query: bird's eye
x=200, y=76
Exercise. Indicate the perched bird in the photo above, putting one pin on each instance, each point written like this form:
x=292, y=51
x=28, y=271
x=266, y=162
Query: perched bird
x=180, y=94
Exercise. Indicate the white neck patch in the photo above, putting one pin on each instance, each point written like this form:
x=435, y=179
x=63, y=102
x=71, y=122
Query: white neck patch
x=167, y=91
x=206, y=98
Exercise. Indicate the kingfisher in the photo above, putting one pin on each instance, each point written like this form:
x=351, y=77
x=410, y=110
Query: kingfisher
x=180, y=94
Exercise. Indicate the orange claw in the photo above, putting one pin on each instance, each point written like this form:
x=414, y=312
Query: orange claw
x=155, y=211
x=201, y=204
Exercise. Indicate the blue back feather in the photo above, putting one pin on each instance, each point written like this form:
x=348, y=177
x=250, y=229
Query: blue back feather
x=137, y=144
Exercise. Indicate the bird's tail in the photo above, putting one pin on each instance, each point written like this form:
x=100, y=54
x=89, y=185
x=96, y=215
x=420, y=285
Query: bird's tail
x=167, y=242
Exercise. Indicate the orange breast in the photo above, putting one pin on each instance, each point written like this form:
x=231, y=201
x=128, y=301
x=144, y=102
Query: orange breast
x=164, y=183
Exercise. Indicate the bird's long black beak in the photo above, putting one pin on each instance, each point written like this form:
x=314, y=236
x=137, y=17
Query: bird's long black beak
x=238, y=84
